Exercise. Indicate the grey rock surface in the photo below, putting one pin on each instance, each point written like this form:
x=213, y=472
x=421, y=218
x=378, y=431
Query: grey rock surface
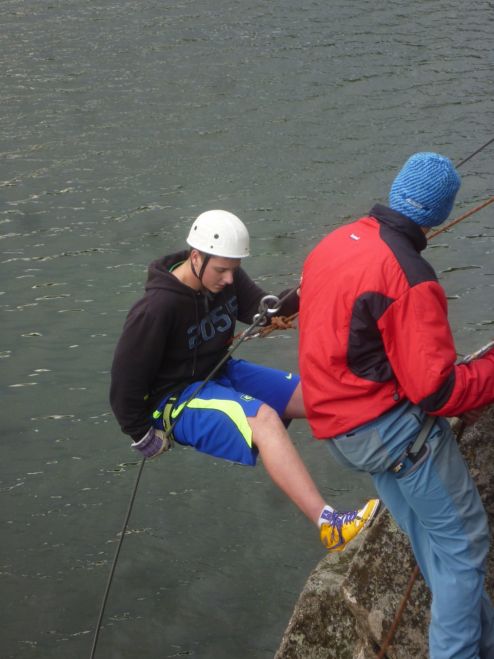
x=350, y=600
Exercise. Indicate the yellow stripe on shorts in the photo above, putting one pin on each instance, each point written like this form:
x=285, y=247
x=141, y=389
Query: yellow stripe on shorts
x=231, y=408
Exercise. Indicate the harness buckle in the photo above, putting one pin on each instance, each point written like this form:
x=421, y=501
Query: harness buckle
x=408, y=458
x=166, y=416
x=397, y=467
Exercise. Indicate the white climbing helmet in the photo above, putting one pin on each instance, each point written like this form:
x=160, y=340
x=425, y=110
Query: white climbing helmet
x=219, y=233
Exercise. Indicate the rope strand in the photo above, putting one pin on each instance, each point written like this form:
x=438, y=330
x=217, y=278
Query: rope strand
x=462, y=162
x=284, y=322
x=461, y=218
x=274, y=325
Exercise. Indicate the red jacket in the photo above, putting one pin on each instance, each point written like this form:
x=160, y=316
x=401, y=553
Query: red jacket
x=374, y=329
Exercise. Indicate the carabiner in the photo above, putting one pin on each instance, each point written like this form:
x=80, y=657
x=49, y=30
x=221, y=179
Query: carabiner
x=265, y=311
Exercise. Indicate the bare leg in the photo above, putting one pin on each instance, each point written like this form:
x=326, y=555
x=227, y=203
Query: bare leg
x=288, y=472
x=295, y=408
x=283, y=463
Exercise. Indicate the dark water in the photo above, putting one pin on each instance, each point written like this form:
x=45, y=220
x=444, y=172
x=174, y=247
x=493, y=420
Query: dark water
x=121, y=121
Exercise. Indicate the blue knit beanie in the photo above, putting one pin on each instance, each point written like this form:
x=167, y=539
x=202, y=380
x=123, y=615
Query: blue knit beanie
x=425, y=189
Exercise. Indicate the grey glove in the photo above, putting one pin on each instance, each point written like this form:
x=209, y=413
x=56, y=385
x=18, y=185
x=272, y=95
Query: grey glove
x=153, y=443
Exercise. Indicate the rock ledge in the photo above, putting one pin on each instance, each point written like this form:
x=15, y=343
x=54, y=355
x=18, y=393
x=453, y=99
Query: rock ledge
x=350, y=600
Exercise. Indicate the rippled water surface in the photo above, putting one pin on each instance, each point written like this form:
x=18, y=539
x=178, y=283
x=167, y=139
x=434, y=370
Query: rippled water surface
x=121, y=121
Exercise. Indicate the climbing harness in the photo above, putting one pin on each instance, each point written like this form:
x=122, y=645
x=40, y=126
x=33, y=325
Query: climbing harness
x=416, y=451
x=268, y=307
x=166, y=416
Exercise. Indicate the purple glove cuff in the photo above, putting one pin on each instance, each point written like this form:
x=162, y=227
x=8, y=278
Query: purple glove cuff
x=151, y=444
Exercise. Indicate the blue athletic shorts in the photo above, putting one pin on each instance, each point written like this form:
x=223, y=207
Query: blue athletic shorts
x=215, y=421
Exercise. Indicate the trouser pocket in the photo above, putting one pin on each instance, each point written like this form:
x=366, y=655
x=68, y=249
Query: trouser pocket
x=410, y=464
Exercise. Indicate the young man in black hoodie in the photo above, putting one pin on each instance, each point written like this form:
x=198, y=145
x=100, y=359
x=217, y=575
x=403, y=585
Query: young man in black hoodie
x=172, y=339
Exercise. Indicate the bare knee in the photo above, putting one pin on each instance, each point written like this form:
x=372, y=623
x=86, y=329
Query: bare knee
x=265, y=424
x=266, y=416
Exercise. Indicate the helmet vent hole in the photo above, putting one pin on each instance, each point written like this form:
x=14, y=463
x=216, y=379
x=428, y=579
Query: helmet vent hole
x=216, y=236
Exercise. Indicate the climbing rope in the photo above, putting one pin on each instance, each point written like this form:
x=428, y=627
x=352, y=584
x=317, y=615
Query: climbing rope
x=287, y=322
x=461, y=218
x=399, y=613
x=462, y=162
x=281, y=322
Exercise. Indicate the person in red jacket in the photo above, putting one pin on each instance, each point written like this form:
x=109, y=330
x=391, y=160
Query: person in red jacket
x=174, y=337
x=379, y=374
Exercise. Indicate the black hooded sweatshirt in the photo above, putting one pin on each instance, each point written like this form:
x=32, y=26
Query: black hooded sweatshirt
x=174, y=336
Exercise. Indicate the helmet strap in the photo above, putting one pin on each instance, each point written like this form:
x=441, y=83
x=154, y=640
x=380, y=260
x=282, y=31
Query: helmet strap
x=205, y=261
x=203, y=266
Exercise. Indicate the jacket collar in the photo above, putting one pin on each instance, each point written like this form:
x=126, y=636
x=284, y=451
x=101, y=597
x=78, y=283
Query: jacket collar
x=400, y=223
